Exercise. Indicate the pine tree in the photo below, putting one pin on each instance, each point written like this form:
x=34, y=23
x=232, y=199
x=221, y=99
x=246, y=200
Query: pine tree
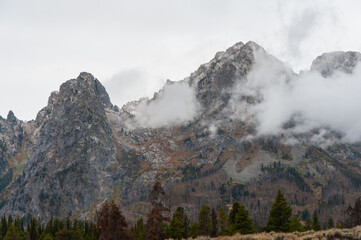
x=214, y=232
x=232, y=215
x=316, y=226
x=181, y=222
x=330, y=223
x=138, y=232
x=223, y=222
x=243, y=223
x=176, y=228
x=48, y=237
x=12, y=234
x=19, y=224
x=295, y=225
x=204, y=220
x=308, y=225
x=34, y=229
x=194, y=231
x=10, y=220
x=280, y=214
x=3, y=226
x=111, y=223
x=156, y=215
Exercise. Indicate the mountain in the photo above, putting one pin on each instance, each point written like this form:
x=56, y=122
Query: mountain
x=200, y=136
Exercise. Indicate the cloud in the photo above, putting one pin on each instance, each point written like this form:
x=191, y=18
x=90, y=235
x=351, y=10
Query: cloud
x=131, y=84
x=176, y=103
x=290, y=104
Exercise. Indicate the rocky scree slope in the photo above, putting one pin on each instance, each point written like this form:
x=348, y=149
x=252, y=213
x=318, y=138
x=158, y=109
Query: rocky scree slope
x=82, y=150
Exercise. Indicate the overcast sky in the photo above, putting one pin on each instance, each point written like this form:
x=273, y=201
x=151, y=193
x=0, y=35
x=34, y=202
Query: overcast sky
x=132, y=47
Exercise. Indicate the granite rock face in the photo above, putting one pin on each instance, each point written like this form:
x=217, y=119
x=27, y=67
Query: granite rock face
x=71, y=153
x=328, y=63
x=81, y=150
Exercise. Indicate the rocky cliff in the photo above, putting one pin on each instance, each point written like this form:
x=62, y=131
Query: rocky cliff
x=81, y=150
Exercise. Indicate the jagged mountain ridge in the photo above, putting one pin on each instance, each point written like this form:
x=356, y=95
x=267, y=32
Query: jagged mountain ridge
x=80, y=151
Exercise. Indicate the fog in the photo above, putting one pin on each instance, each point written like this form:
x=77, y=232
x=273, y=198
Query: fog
x=176, y=103
x=290, y=104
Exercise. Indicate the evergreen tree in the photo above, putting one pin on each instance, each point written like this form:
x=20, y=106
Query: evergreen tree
x=204, y=220
x=111, y=223
x=243, y=223
x=12, y=234
x=49, y=228
x=316, y=226
x=295, y=225
x=182, y=221
x=280, y=214
x=330, y=223
x=48, y=237
x=176, y=228
x=33, y=228
x=19, y=224
x=232, y=215
x=156, y=215
x=138, y=232
x=308, y=225
x=214, y=232
x=223, y=222
x=10, y=220
x=3, y=226
x=194, y=231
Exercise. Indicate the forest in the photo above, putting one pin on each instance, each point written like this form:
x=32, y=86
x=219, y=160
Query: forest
x=111, y=224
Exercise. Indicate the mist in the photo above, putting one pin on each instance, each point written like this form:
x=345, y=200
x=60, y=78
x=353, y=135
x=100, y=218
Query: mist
x=290, y=104
x=176, y=103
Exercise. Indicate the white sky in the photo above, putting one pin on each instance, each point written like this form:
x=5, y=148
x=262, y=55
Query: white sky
x=132, y=47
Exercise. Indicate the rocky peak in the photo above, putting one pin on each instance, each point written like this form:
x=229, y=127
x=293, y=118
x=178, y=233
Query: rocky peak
x=328, y=63
x=214, y=80
x=85, y=91
x=86, y=86
x=11, y=117
x=72, y=152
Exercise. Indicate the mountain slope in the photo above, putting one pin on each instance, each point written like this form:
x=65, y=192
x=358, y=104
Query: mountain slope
x=82, y=150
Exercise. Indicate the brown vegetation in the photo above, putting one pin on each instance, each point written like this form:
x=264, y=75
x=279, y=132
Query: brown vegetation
x=332, y=234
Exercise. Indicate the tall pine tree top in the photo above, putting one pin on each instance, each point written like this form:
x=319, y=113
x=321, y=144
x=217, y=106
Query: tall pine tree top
x=280, y=215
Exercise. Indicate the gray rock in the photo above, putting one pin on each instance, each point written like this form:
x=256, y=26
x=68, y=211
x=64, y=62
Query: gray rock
x=328, y=63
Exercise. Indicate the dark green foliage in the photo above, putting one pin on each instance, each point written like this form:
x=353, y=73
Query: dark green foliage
x=10, y=220
x=176, y=228
x=243, y=223
x=179, y=226
x=13, y=234
x=305, y=214
x=316, y=226
x=295, y=225
x=34, y=229
x=330, y=223
x=139, y=230
x=48, y=237
x=194, y=231
x=214, y=232
x=204, y=220
x=19, y=224
x=280, y=214
x=308, y=224
x=223, y=222
x=232, y=215
x=3, y=226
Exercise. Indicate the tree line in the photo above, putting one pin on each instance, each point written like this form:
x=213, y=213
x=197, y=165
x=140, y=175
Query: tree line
x=111, y=224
